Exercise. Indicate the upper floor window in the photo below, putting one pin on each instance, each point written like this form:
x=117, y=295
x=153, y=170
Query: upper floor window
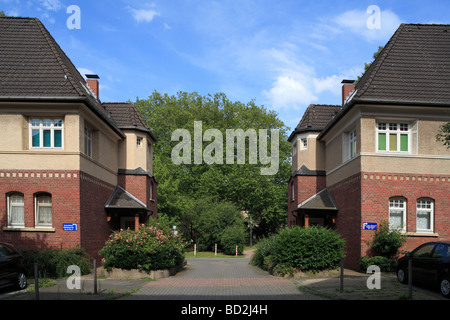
x=352, y=144
x=16, y=216
x=397, y=213
x=88, y=142
x=425, y=213
x=43, y=207
x=139, y=142
x=46, y=133
x=304, y=144
x=393, y=137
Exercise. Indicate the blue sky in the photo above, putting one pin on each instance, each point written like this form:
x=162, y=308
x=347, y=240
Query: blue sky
x=284, y=54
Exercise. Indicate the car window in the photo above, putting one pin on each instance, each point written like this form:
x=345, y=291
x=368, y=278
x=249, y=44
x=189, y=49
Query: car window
x=442, y=251
x=3, y=252
x=424, y=251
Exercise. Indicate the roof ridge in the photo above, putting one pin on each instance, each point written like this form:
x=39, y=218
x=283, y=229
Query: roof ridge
x=54, y=48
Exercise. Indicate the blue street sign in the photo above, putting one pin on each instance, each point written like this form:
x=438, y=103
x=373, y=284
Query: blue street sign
x=369, y=226
x=70, y=226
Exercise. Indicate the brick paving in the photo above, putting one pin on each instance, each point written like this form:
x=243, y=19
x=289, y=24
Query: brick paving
x=221, y=279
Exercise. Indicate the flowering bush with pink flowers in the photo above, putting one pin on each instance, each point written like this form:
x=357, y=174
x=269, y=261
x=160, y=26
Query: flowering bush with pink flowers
x=152, y=247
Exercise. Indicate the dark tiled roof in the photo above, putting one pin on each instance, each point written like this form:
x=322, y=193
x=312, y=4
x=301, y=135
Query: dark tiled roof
x=126, y=116
x=412, y=69
x=316, y=118
x=414, y=66
x=320, y=201
x=34, y=67
x=122, y=199
x=304, y=171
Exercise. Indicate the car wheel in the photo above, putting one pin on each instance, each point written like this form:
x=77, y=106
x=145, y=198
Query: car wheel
x=402, y=276
x=21, y=281
x=445, y=287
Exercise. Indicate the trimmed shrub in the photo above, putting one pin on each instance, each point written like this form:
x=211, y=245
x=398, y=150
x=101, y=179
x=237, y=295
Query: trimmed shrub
x=152, y=247
x=307, y=249
x=385, y=264
x=231, y=237
x=262, y=255
x=387, y=242
x=53, y=263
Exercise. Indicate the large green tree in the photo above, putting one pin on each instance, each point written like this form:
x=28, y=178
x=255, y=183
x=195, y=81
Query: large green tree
x=182, y=186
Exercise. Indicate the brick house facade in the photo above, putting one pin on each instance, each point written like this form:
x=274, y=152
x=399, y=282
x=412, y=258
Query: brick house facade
x=72, y=168
x=375, y=157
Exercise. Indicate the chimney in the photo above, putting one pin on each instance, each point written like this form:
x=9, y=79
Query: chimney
x=347, y=88
x=92, y=82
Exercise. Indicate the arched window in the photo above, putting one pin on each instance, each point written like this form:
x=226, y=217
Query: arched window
x=43, y=209
x=425, y=215
x=397, y=213
x=16, y=212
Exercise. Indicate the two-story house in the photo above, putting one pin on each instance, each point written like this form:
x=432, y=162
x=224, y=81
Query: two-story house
x=375, y=157
x=72, y=169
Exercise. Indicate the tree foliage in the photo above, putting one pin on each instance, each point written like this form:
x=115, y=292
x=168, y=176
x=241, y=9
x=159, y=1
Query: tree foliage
x=181, y=187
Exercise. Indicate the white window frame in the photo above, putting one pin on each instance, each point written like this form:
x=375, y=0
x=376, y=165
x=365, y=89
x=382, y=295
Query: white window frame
x=387, y=127
x=425, y=205
x=15, y=204
x=139, y=142
x=38, y=205
x=294, y=148
x=293, y=190
x=88, y=142
x=398, y=204
x=42, y=127
x=304, y=143
x=352, y=136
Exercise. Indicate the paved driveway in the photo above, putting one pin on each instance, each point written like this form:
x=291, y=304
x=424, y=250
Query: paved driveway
x=221, y=279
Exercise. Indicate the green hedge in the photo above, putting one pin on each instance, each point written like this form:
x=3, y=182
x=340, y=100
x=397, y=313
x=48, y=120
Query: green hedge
x=152, y=247
x=231, y=237
x=301, y=249
x=385, y=264
x=53, y=263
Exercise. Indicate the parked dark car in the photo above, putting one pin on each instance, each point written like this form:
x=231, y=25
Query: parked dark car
x=430, y=265
x=12, y=268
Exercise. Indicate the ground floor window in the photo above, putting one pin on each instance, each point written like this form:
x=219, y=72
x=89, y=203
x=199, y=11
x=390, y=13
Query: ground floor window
x=397, y=213
x=43, y=210
x=16, y=212
x=425, y=213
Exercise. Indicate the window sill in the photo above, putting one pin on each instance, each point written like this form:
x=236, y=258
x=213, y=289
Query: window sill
x=422, y=234
x=9, y=229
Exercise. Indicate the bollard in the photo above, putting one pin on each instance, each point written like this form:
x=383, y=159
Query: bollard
x=236, y=250
x=342, y=275
x=36, y=281
x=410, y=278
x=215, y=250
x=195, y=250
x=95, y=276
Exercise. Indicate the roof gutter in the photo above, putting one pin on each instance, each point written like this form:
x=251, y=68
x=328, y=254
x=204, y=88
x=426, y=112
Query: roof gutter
x=347, y=107
x=84, y=100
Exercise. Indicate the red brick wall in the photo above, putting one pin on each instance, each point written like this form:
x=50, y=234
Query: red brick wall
x=377, y=188
x=347, y=195
x=76, y=198
x=365, y=198
x=139, y=186
x=64, y=187
x=304, y=188
x=94, y=227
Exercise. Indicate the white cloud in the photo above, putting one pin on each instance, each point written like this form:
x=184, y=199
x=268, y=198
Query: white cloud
x=143, y=15
x=52, y=5
x=371, y=25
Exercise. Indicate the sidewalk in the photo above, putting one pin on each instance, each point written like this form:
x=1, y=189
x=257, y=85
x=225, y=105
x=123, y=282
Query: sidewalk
x=107, y=289
x=328, y=288
x=355, y=288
